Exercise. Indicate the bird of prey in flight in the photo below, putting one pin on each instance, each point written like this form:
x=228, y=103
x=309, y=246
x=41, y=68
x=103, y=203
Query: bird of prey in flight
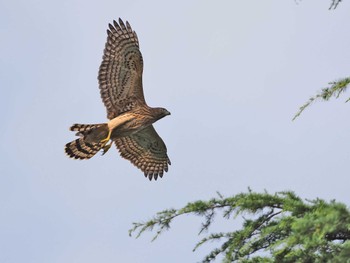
x=130, y=118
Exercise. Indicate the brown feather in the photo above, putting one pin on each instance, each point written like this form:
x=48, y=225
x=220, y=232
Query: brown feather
x=146, y=150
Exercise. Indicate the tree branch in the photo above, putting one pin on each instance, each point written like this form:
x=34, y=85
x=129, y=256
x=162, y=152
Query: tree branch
x=334, y=4
x=335, y=89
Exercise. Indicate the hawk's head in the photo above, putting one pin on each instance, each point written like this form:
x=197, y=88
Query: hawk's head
x=159, y=113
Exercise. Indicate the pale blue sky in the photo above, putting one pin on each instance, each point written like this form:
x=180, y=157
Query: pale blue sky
x=232, y=73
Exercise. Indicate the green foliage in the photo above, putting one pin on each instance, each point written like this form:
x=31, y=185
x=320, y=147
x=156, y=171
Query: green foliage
x=334, y=4
x=335, y=89
x=276, y=228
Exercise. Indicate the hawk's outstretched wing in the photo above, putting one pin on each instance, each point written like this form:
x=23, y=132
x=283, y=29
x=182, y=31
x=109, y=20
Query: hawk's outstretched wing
x=120, y=74
x=146, y=150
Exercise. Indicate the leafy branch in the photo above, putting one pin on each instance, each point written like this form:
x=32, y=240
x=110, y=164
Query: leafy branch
x=334, y=4
x=335, y=89
x=282, y=226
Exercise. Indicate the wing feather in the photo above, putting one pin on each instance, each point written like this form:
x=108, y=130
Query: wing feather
x=120, y=73
x=146, y=150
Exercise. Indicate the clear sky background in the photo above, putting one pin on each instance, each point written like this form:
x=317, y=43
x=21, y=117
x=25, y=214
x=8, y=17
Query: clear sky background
x=232, y=73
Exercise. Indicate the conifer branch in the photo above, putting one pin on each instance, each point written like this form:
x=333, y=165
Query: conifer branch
x=335, y=89
x=334, y=4
x=280, y=225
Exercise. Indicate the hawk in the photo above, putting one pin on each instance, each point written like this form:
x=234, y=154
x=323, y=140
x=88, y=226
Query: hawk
x=130, y=118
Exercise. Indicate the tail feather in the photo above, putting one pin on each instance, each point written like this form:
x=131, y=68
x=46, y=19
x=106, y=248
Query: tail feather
x=80, y=149
x=89, y=142
x=84, y=128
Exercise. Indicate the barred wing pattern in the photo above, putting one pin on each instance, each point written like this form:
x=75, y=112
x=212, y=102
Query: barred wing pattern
x=120, y=74
x=146, y=150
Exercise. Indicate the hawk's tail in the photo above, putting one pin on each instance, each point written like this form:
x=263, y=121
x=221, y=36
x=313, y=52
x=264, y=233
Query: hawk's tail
x=89, y=142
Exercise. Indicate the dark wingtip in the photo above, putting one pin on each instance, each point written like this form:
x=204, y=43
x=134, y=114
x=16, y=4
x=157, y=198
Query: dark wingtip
x=122, y=25
x=116, y=24
x=128, y=26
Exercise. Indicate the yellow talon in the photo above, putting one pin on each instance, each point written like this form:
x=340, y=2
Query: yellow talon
x=108, y=137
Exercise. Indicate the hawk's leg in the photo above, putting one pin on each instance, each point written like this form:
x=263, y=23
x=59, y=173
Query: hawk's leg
x=108, y=137
x=106, y=147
